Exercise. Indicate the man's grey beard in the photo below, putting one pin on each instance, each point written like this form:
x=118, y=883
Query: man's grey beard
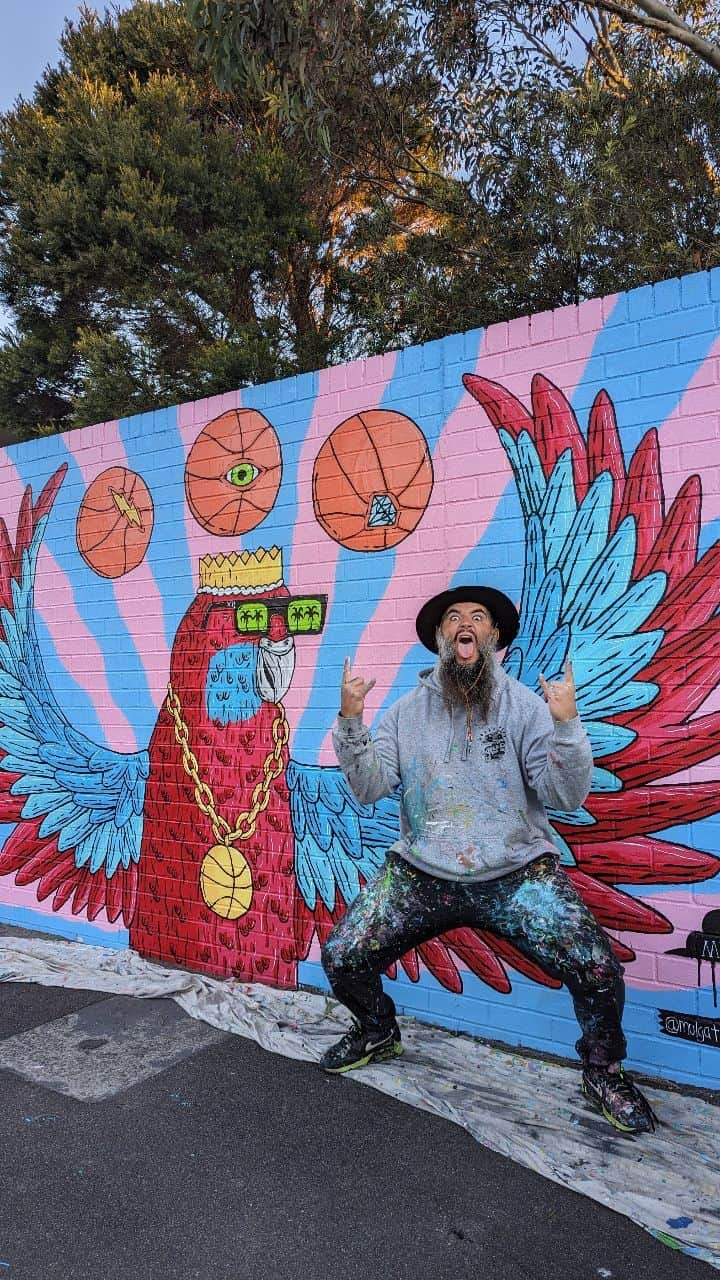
x=463, y=686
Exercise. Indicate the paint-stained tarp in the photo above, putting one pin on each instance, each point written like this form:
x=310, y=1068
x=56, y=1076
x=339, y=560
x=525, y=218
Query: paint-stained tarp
x=528, y=1110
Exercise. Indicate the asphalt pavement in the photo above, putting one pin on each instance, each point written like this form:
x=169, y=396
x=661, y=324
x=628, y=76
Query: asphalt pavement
x=139, y=1144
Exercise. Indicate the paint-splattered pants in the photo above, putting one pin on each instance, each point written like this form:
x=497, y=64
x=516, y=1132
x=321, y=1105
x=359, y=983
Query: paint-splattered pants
x=536, y=909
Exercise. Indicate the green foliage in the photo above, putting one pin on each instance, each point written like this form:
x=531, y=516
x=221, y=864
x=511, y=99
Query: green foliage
x=149, y=231
x=185, y=209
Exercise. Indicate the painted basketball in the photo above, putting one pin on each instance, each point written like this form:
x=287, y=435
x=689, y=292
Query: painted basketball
x=233, y=472
x=226, y=882
x=115, y=522
x=372, y=480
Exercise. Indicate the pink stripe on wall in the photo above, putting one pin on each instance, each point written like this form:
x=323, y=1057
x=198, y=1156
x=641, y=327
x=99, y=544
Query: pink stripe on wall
x=137, y=594
x=13, y=896
x=79, y=651
x=342, y=391
x=690, y=437
x=192, y=417
x=653, y=966
x=76, y=647
x=557, y=344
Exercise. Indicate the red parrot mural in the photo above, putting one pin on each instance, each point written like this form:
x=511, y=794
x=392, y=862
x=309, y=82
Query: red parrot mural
x=218, y=757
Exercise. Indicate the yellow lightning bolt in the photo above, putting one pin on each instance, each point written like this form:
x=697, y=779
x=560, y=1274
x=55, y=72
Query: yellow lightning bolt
x=127, y=509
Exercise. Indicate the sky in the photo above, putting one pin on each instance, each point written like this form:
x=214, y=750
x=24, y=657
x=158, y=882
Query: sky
x=31, y=32
x=30, y=39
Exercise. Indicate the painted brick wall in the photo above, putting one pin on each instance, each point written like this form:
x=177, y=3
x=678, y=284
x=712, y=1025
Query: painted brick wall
x=433, y=484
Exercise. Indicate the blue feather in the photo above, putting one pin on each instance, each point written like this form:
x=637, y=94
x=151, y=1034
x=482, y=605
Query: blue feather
x=603, y=780
x=19, y=744
x=72, y=779
x=74, y=830
x=535, y=566
x=10, y=687
x=76, y=802
x=16, y=763
x=7, y=660
x=608, y=580
x=336, y=838
x=345, y=827
x=344, y=872
x=112, y=850
x=605, y=739
x=54, y=820
x=304, y=877
x=14, y=713
x=631, y=611
x=41, y=802
x=532, y=476
x=86, y=848
x=322, y=875
x=30, y=783
x=548, y=661
x=587, y=537
x=558, y=509
x=578, y=817
x=57, y=756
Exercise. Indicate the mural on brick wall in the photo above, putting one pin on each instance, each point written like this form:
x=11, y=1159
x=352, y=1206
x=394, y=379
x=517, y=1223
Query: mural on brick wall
x=201, y=817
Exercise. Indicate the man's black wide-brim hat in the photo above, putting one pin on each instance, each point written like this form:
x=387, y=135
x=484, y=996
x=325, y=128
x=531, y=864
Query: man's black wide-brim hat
x=499, y=606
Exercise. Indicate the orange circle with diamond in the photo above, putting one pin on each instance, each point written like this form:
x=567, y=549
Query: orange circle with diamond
x=115, y=522
x=372, y=480
x=233, y=472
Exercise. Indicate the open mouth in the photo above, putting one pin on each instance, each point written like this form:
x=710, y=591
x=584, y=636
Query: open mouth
x=465, y=646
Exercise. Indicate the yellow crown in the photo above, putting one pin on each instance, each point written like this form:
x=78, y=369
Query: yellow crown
x=242, y=572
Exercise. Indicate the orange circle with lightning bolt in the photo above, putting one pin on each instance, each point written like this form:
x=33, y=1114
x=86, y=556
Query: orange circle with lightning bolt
x=115, y=522
x=233, y=472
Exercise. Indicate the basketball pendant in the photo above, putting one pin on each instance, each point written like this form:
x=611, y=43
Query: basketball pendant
x=226, y=882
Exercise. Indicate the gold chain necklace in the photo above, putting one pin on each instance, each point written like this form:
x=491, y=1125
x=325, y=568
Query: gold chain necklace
x=225, y=875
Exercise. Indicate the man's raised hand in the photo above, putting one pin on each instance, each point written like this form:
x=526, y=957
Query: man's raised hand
x=353, y=692
x=560, y=695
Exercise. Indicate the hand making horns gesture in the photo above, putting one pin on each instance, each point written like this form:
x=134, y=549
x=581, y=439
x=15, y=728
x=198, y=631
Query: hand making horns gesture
x=353, y=692
x=560, y=695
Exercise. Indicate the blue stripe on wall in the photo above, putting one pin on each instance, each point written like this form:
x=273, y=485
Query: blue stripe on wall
x=416, y=389
x=75, y=930
x=94, y=597
x=288, y=405
x=663, y=323
x=155, y=450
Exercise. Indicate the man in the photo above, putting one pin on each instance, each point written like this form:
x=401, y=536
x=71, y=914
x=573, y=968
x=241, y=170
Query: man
x=478, y=757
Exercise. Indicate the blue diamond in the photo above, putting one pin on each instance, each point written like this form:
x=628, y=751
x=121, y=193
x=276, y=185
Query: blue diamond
x=383, y=511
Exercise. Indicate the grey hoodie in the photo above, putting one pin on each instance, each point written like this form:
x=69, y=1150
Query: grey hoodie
x=473, y=808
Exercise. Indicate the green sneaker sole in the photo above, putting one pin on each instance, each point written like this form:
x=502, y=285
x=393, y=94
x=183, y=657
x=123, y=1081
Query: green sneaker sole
x=616, y=1124
x=382, y=1055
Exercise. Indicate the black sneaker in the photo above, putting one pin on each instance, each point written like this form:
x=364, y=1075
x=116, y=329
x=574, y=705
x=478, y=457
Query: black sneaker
x=620, y=1101
x=357, y=1048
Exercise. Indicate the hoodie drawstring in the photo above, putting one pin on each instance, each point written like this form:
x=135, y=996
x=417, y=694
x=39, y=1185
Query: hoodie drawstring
x=451, y=734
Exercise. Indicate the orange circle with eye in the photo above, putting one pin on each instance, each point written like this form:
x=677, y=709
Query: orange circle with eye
x=115, y=522
x=233, y=472
x=372, y=480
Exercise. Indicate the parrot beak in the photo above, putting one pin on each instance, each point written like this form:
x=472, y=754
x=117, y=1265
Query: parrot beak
x=275, y=667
